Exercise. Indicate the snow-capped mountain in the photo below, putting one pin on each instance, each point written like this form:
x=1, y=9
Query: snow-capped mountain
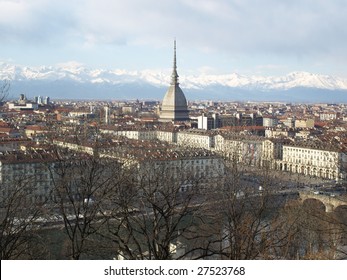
x=292, y=80
x=74, y=77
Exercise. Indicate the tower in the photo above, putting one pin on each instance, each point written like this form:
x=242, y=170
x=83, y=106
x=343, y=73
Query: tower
x=107, y=114
x=174, y=105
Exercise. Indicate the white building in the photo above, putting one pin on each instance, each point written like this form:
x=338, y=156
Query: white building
x=270, y=121
x=81, y=114
x=328, y=116
x=195, y=138
x=107, y=114
x=26, y=106
x=167, y=136
x=207, y=122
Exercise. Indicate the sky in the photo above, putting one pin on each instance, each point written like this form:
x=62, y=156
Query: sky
x=251, y=37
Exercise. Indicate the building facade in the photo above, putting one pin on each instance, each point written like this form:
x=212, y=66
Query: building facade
x=314, y=161
x=29, y=173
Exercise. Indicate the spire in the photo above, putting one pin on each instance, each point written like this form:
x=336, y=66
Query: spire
x=174, y=75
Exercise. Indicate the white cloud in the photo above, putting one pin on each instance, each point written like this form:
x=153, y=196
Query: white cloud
x=35, y=21
x=296, y=28
x=265, y=26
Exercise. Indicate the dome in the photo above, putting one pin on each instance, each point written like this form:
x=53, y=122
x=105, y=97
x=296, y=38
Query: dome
x=174, y=99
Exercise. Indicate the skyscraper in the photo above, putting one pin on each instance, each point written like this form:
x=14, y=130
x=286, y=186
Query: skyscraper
x=174, y=105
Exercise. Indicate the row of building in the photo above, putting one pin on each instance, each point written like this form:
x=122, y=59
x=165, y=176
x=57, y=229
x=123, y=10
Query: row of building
x=214, y=121
x=32, y=166
x=306, y=157
x=23, y=104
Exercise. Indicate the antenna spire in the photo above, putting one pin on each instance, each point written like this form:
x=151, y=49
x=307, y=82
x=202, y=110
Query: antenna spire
x=174, y=75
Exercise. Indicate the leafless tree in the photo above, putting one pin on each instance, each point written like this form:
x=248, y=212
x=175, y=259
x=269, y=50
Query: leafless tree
x=19, y=219
x=4, y=90
x=312, y=234
x=339, y=217
x=155, y=213
x=244, y=221
x=82, y=186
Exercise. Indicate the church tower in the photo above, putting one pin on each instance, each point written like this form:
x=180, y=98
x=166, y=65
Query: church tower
x=174, y=105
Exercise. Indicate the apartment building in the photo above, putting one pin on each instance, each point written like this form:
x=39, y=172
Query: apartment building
x=29, y=172
x=196, y=139
x=304, y=123
x=269, y=121
x=272, y=151
x=175, y=163
x=313, y=160
x=246, y=149
x=276, y=153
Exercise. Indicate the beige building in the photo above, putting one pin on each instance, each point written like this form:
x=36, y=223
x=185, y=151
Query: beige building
x=128, y=110
x=189, y=168
x=35, y=130
x=278, y=133
x=137, y=134
x=304, y=123
x=186, y=167
x=167, y=136
x=245, y=149
x=272, y=151
x=276, y=153
x=289, y=122
x=79, y=147
x=195, y=138
x=194, y=164
x=314, y=161
x=162, y=135
x=191, y=138
x=20, y=170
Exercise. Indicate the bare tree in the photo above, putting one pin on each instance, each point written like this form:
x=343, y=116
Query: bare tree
x=339, y=217
x=4, y=90
x=82, y=186
x=19, y=221
x=245, y=219
x=155, y=214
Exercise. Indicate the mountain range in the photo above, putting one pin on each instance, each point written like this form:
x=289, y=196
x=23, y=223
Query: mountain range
x=75, y=81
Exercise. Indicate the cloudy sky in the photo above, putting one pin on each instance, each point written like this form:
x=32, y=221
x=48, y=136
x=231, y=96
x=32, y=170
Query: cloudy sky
x=253, y=37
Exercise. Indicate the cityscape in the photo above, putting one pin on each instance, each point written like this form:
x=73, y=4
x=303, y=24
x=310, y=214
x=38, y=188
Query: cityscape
x=172, y=179
x=144, y=159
